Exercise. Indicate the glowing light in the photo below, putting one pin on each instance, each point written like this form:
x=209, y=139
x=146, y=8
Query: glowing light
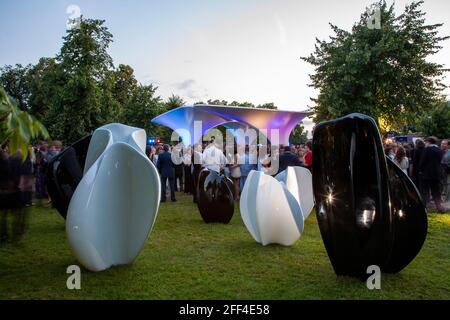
x=330, y=198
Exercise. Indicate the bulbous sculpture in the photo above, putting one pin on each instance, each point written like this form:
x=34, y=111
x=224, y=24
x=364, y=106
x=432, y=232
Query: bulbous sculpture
x=270, y=211
x=64, y=173
x=215, y=198
x=115, y=205
x=368, y=210
x=298, y=181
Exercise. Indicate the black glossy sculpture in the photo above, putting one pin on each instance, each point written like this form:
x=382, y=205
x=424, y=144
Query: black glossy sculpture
x=369, y=211
x=215, y=198
x=64, y=173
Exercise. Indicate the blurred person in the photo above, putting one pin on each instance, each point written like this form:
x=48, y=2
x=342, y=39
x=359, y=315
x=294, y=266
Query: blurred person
x=12, y=203
x=179, y=168
x=246, y=165
x=235, y=174
x=187, y=168
x=288, y=159
x=213, y=157
x=39, y=171
x=27, y=181
x=401, y=160
x=445, y=147
x=308, y=155
x=166, y=170
x=416, y=157
x=430, y=172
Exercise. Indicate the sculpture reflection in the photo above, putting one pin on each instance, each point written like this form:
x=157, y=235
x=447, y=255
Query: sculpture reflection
x=353, y=188
x=64, y=173
x=215, y=198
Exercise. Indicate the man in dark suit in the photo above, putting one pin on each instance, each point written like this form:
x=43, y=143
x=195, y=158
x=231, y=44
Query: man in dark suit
x=166, y=170
x=288, y=159
x=430, y=172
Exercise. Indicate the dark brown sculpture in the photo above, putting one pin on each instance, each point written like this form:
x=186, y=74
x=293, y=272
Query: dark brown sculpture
x=215, y=199
x=64, y=173
x=369, y=211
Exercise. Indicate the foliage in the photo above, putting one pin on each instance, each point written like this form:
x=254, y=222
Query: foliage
x=14, y=81
x=124, y=83
x=379, y=72
x=299, y=135
x=174, y=102
x=142, y=107
x=83, y=100
x=17, y=127
x=436, y=122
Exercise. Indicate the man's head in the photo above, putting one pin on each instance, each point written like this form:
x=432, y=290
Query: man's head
x=431, y=140
x=444, y=145
x=309, y=144
x=287, y=148
x=166, y=147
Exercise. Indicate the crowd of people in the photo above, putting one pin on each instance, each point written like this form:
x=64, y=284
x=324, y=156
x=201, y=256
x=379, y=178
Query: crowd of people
x=428, y=165
x=19, y=179
x=426, y=162
x=179, y=167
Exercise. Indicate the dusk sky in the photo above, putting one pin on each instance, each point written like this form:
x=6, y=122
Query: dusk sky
x=246, y=50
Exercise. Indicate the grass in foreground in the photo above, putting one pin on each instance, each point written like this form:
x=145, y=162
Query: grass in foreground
x=184, y=258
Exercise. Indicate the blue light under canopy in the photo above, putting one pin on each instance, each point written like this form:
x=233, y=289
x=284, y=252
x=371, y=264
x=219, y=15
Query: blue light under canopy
x=182, y=120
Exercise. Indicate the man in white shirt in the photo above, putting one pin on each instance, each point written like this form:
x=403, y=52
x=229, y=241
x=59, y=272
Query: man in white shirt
x=213, y=157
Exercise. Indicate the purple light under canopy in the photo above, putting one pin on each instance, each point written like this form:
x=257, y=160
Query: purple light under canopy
x=182, y=120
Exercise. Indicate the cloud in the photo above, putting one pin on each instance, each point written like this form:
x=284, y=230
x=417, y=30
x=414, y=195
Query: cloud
x=185, y=85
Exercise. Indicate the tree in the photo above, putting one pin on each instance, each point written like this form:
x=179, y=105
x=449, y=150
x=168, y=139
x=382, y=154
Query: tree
x=299, y=135
x=436, y=122
x=142, y=107
x=242, y=104
x=218, y=102
x=270, y=105
x=83, y=99
x=382, y=72
x=17, y=127
x=125, y=83
x=15, y=83
x=43, y=79
x=174, y=102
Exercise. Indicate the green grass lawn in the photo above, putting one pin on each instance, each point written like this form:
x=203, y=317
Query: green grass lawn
x=187, y=259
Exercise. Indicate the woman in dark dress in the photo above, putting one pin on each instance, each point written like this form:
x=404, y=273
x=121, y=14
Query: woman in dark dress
x=39, y=169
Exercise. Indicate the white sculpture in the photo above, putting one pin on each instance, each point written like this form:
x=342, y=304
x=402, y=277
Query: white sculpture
x=115, y=205
x=298, y=181
x=270, y=211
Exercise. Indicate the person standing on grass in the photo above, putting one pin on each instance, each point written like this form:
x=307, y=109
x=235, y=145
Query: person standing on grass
x=213, y=157
x=246, y=165
x=187, y=164
x=197, y=164
x=166, y=170
x=430, y=171
x=416, y=157
x=235, y=173
x=445, y=147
